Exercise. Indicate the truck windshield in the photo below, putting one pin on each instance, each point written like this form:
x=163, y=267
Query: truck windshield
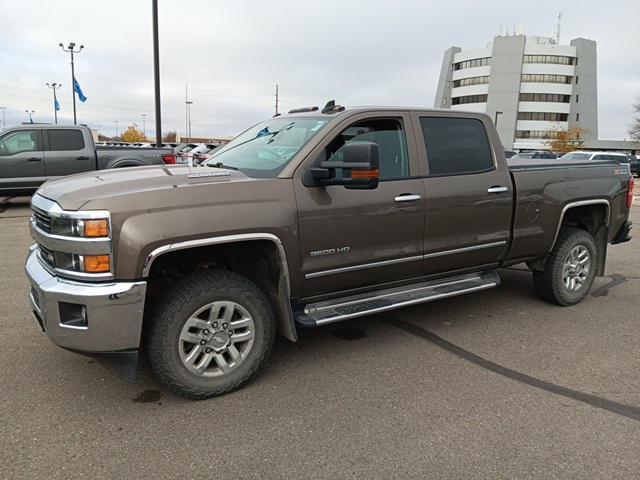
x=266, y=148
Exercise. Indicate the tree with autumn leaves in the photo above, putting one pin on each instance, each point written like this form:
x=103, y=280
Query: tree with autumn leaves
x=133, y=134
x=563, y=141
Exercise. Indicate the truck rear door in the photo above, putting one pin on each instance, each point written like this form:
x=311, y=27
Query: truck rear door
x=21, y=160
x=468, y=191
x=67, y=151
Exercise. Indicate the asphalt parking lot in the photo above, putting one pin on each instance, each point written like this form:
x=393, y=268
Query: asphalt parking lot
x=495, y=385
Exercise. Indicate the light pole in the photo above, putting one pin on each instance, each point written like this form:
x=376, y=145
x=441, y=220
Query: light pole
x=54, y=86
x=156, y=72
x=71, y=49
x=187, y=111
x=495, y=119
x=144, y=125
x=116, y=122
x=4, y=124
x=30, y=113
x=189, y=103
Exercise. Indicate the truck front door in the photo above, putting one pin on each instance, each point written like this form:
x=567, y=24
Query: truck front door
x=21, y=161
x=469, y=195
x=67, y=152
x=358, y=238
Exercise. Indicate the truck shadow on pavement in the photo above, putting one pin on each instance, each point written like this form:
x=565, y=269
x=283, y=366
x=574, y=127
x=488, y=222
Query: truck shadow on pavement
x=18, y=205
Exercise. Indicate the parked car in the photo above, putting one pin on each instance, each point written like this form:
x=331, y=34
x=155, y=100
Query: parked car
x=199, y=153
x=305, y=220
x=34, y=153
x=634, y=164
x=181, y=150
x=587, y=155
x=536, y=154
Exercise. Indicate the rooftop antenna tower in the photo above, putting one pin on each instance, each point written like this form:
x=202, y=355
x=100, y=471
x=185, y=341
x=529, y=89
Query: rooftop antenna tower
x=556, y=34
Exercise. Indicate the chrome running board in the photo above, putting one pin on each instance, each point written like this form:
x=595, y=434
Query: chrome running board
x=336, y=310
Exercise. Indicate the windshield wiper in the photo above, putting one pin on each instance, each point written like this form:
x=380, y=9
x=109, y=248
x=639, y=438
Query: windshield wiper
x=221, y=165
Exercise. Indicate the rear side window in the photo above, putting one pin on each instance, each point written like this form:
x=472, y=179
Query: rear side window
x=456, y=146
x=61, y=140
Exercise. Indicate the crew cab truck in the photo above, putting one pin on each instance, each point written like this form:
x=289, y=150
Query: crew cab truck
x=31, y=154
x=306, y=219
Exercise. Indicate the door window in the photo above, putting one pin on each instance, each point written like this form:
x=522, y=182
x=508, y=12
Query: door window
x=65, y=140
x=392, y=144
x=456, y=146
x=18, y=142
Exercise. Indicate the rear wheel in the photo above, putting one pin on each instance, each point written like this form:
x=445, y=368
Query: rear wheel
x=570, y=268
x=210, y=334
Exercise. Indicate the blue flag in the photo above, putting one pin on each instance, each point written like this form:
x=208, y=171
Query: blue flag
x=76, y=87
x=56, y=105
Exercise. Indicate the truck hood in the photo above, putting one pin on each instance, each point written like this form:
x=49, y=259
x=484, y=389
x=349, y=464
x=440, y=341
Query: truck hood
x=72, y=192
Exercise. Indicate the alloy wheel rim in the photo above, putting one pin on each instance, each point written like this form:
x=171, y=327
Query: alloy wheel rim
x=576, y=268
x=216, y=339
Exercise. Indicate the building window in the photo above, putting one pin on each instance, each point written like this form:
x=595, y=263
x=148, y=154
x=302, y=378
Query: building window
x=543, y=116
x=535, y=134
x=557, y=59
x=577, y=117
x=465, y=82
x=576, y=80
x=577, y=98
x=545, y=78
x=476, y=62
x=545, y=97
x=448, y=84
x=456, y=146
x=444, y=101
x=469, y=99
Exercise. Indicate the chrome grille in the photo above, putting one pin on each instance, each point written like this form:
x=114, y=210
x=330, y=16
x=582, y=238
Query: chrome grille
x=42, y=219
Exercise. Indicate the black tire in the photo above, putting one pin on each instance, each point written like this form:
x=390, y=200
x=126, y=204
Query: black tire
x=549, y=284
x=168, y=317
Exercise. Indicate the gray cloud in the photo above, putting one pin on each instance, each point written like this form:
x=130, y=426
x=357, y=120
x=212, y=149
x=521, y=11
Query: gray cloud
x=233, y=53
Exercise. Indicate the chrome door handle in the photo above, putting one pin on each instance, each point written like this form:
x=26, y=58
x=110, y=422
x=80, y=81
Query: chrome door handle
x=497, y=189
x=407, y=198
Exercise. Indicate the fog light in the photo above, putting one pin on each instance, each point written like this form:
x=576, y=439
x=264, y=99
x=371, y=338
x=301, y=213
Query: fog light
x=73, y=315
x=96, y=263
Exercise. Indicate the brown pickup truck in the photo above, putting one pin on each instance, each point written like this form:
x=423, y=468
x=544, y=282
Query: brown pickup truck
x=303, y=220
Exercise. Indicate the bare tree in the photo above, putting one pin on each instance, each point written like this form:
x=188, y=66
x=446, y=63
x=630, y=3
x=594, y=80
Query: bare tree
x=634, y=131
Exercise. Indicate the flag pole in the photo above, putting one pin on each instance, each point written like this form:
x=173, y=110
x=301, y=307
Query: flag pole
x=54, y=86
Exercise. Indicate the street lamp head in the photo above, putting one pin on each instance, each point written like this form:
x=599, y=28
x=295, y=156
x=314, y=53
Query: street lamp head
x=61, y=45
x=81, y=47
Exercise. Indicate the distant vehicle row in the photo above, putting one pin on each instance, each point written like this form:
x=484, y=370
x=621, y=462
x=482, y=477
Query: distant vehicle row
x=632, y=160
x=184, y=152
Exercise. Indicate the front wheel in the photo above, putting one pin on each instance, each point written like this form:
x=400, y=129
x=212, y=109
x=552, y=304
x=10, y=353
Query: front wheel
x=210, y=334
x=570, y=268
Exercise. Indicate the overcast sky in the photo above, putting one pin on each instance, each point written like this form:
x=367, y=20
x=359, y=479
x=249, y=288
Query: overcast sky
x=232, y=53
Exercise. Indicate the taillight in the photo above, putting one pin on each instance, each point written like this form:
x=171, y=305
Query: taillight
x=630, y=192
x=169, y=159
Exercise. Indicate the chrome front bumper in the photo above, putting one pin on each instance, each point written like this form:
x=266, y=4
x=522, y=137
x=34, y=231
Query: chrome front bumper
x=83, y=316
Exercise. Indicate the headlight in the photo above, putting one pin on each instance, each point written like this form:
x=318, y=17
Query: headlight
x=75, y=227
x=76, y=244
